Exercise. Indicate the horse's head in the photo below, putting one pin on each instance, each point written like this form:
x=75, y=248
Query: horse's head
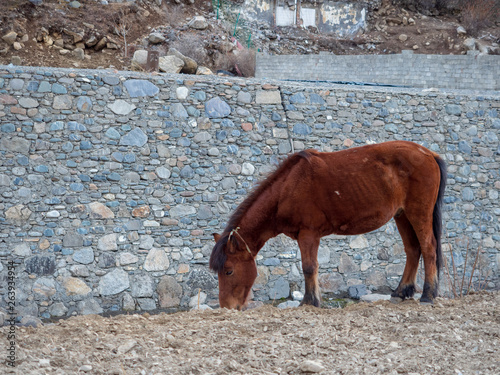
x=233, y=261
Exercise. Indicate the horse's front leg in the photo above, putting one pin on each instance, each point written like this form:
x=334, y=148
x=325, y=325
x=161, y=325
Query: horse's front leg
x=308, y=244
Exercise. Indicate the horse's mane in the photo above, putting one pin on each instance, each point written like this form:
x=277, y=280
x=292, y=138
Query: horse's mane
x=218, y=256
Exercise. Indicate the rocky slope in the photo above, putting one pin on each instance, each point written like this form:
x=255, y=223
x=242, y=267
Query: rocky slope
x=93, y=34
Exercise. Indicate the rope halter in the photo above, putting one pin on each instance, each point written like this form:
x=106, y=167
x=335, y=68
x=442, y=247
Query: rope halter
x=235, y=231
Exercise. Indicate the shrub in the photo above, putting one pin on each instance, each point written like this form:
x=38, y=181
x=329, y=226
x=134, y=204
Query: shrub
x=241, y=63
x=476, y=15
x=193, y=46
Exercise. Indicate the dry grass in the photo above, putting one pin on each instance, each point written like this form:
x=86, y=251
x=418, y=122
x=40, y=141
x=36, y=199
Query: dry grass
x=476, y=15
x=460, y=285
x=174, y=15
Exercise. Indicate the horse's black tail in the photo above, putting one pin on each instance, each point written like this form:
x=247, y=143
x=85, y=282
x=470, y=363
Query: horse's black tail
x=437, y=220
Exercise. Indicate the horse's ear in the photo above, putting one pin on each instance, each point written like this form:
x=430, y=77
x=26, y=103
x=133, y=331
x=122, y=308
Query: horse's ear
x=216, y=236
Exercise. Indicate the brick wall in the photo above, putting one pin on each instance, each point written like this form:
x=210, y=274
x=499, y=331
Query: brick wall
x=472, y=72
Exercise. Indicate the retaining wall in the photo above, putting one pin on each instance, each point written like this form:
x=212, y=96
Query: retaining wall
x=111, y=184
x=472, y=72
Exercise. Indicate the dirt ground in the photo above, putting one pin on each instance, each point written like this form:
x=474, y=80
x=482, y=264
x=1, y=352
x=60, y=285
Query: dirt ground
x=452, y=337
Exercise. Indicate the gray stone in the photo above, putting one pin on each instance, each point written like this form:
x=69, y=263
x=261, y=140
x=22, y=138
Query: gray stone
x=75, y=287
x=288, y=304
x=28, y=103
x=121, y=107
x=84, y=104
x=358, y=242
x=44, y=287
x=182, y=210
x=178, y=111
x=198, y=23
x=128, y=258
x=217, y=108
x=201, y=278
x=298, y=98
x=244, y=97
x=202, y=137
x=146, y=304
x=267, y=97
x=453, y=109
x=247, y=169
x=112, y=133
x=375, y=297
x=323, y=255
x=190, y=65
x=156, y=260
x=111, y=80
x=357, y=291
x=198, y=299
x=280, y=289
x=331, y=283
x=73, y=239
x=140, y=87
x=22, y=250
x=140, y=59
x=141, y=286
x=309, y=366
x=156, y=38
x=107, y=260
x=107, y=242
x=40, y=265
x=464, y=147
x=128, y=303
x=89, y=306
x=114, y=282
x=10, y=37
x=58, y=309
x=163, y=172
x=146, y=242
x=171, y=64
x=302, y=129
x=79, y=270
x=14, y=144
x=84, y=256
x=169, y=292
x=62, y=102
x=346, y=264
x=468, y=194
x=135, y=137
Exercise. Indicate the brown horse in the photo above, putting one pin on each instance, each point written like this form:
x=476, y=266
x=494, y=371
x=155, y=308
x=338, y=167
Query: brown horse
x=349, y=192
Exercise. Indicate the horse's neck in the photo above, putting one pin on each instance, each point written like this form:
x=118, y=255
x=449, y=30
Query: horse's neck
x=257, y=225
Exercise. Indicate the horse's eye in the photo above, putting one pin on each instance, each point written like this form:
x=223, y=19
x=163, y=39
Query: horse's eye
x=229, y=273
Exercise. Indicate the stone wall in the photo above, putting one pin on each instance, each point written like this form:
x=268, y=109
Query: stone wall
x=111, y=184
x=472, y=72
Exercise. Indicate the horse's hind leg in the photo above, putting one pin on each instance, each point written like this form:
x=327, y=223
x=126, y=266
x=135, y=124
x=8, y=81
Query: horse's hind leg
x=407, y=285
x=422, y=226
x=308, y=244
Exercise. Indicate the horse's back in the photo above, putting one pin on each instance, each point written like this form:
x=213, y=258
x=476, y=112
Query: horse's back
x=358, y=190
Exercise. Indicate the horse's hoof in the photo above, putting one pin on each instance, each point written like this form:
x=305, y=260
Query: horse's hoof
x=396, y=299
x=426, y=302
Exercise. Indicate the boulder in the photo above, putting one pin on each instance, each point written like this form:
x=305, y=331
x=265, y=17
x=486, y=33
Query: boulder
x=203, y=70
x=10, y=38
x=156, y=38
x=470, y=44
x=171, y=64
x=139, y=59
x=101, y=44
x=198, y=23
x=190, y=66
